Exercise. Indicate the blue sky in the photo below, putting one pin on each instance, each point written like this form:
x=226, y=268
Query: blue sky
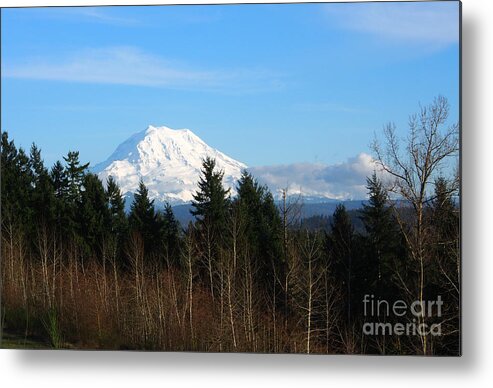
x=266, y=84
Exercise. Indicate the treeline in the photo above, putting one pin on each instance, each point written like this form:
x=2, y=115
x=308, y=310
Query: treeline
x=245, y=276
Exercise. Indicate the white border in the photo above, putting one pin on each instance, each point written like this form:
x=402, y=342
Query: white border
x=122, y=369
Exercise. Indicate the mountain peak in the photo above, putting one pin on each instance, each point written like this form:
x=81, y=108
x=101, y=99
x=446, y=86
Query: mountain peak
x=168, y=160
x=165, y=129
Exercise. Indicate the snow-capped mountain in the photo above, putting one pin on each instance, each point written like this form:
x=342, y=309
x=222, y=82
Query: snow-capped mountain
x=169, y=162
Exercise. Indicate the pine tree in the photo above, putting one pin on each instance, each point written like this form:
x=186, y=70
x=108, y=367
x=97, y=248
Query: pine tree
x=340, y=246
x=60, y=186
x=59, y=178
x=118, y=222
x=75, y=175
x=381, y=242
x=211, y=200
x=444, y=268
x=94, y=216
x=263, y=229
x=43, y=195
x=17, y=184
x=444, y=213
x=171, y=235
x=210, y=208
x=116, y=206
x=444, y=231
x=35, y=161
x=211, y=203
x=9, y=176
x=73, y=185
x=143, y=219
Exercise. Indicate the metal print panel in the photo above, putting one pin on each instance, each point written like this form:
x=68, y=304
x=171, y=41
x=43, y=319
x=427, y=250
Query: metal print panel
x=265, y=178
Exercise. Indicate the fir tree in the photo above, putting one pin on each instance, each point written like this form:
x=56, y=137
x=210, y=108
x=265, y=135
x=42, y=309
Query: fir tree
x=59, y=178
x=262, y=228
x=116, y=206
x=210, y=204
x=60, y=186
x=35, y=161
x=75, y=175
x=93, y=214
x=381, y=241
x=17, y=184
x=143, y=219
x=118, y=222
x=444, y=266
x=171, y=235
x=340, y=246
x=9, y=176
x=210, y=208
x=43, y=195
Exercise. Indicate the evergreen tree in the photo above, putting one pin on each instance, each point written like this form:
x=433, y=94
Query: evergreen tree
x=171, y=235
x=73, y=185
x=143, y=219
x=75, y=176
x=444, y=214
x=444, y=266
x=9, y=176
x=59, y=178
x=118, y=222
x=35, y=161
x=43, y=195
x=444, y=232
x=381, y=242
x=116, y=206
x=262, y=227
x=210, y=204
x=17, y=184
x=340, y=247
x=382, y=252
x=94, y=216
x=60, y=186
x=210, y=208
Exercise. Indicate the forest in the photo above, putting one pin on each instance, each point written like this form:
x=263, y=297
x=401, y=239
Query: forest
x=247, y=275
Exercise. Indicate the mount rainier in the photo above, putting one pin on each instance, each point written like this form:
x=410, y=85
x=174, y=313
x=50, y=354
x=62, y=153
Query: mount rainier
x=169, y=162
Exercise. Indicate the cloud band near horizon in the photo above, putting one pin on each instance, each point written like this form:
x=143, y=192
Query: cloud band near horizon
x=343, y=181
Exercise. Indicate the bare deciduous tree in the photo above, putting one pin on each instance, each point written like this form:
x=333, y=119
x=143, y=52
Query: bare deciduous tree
x=411, y=171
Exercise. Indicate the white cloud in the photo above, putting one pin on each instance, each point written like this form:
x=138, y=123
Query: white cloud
x=432, y=23
x=131, y=66
x=98, y=15
x=342, y=181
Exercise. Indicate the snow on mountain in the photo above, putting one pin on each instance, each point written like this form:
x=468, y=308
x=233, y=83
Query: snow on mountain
x=169, y=161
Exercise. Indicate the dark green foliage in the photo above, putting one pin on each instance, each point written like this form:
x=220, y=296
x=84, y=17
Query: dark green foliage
x=69, y=185
x=94, y=215
x=59, y=179
x=43, y=195
x=444, y=218
x=61, y=208
x=143, y=219
x=210, y=204
x=444, y=265
x=170, y=235
x=74, y=176
x=340, y=249
x=118, y=223
x=116, y=206
x=17, y=184
x=381, y=242
x=262, y=228
x=210, y=208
